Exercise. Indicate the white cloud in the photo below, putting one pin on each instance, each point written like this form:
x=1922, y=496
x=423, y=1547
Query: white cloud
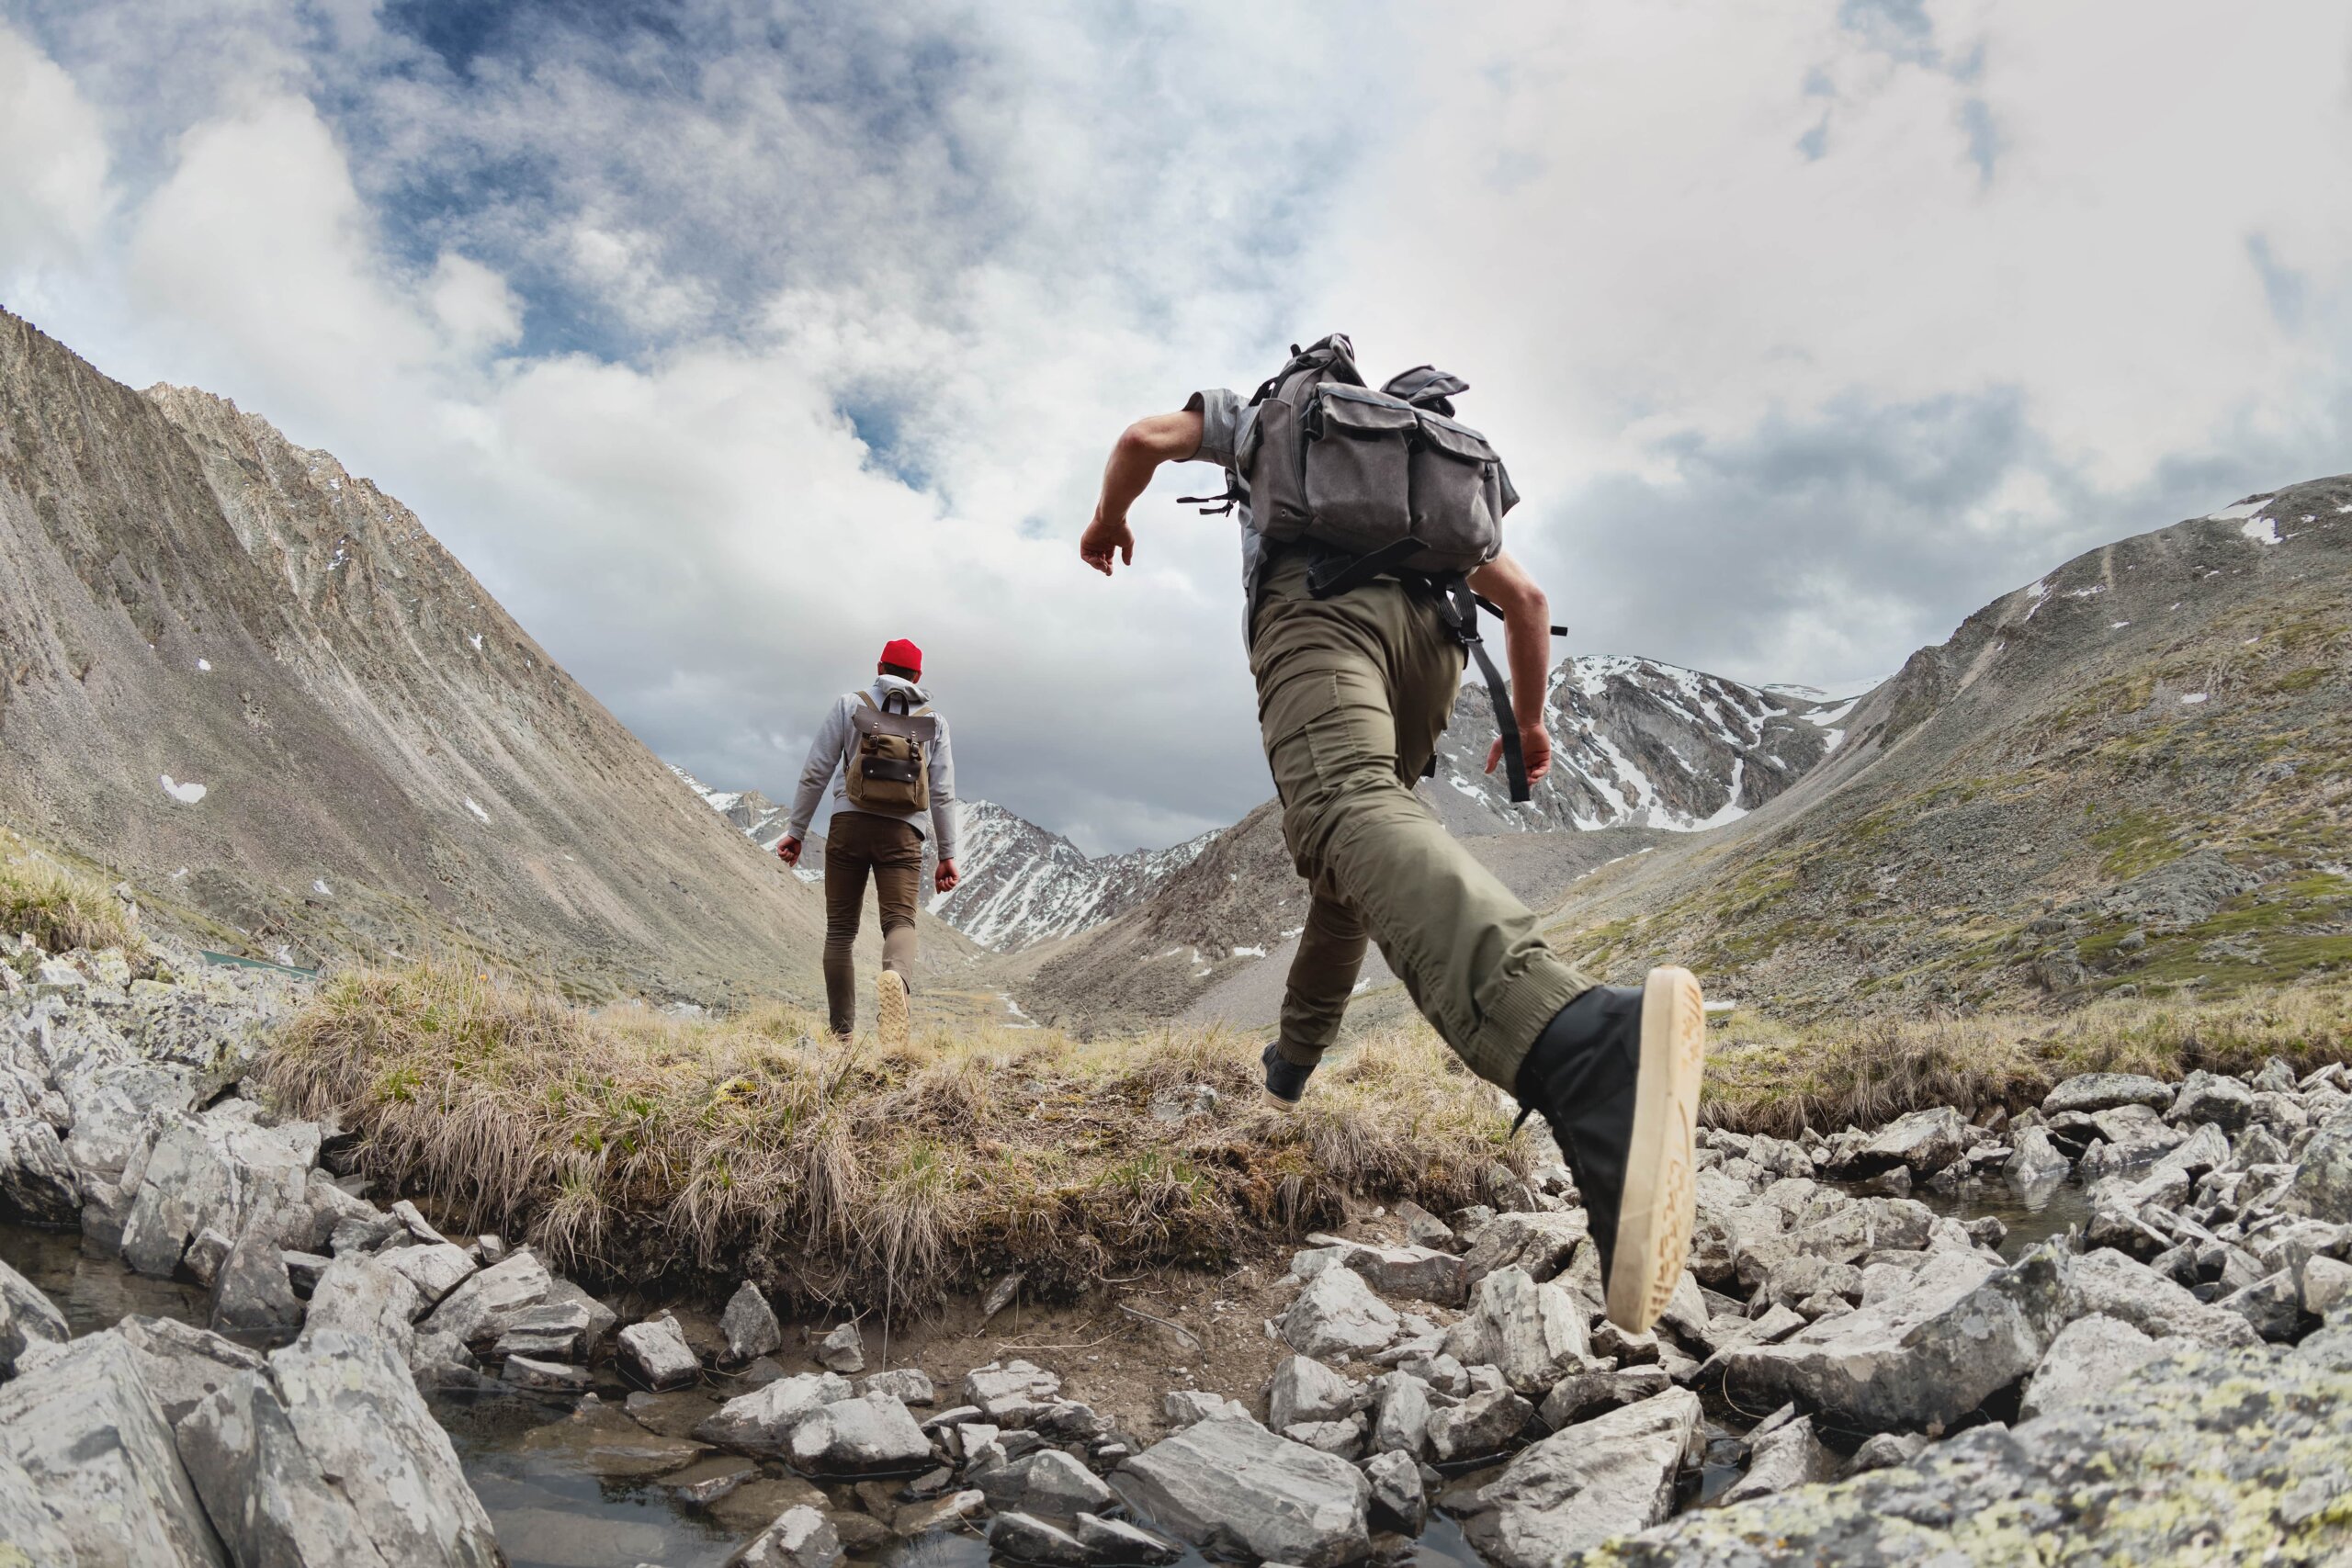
x=53, y=178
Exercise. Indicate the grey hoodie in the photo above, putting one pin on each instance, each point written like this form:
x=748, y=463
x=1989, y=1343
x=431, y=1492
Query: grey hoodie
x=829, y=754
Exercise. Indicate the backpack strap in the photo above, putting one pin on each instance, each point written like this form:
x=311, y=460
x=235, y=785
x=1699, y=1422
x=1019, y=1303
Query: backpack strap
x=1459, y=607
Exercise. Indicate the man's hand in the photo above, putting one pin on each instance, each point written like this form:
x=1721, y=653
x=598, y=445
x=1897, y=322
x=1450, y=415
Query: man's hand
x=1105, y=538
x=947, y=876
x=1535, y=750
x=788, y=852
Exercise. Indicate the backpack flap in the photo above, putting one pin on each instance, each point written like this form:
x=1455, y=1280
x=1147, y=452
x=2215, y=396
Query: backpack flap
x=1358, y=463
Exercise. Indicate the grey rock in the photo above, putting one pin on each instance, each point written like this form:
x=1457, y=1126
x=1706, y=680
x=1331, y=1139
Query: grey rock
x=762, y=1421
x=83, y=1427
x=1048, y=1484
x=2108, y=1283
x=1885, y=1449
x=907, y=1385
x=2165, y=1467
x=27, y=1318
x=180, y=1363
x=1183, y=1406
x=1539, y=1245
x=2035, y=1160
x=1401, y=1424
x=1399, y=1498
x=857, y=1437
x=1788, y=1456
x=2090, y=1356
x=2089, y=1093
x=1419, y=1273
x=1534, y=1332
x=304, y=1269
x=1922, y=1141
x=602, y=1319
x=1344, y=1438
x=2271, y=1305
x=799, y=1538
x=1115, y=1541
x=1231, y=1488
x=843, y=1350
x=1023, y=1538
x=433, y=1268
x=28, y=1528
x=552, y=1330
x=2323, y=1282
x=1964, y=1331
x=1425, y=1229
x=38, y=1183
x=1582, y=1395
x=1337, y=1317
x=2321, y=1186
x=535, y=1376
x=655, y=1354
x=1576, y=1488
x=749, y=1325
x=2207, y=1097
x=1304, y=1389
x=361, y=1296
x=1002, y=1385
x=255, y=1295
x=487, y=1303
x=1481, y=1424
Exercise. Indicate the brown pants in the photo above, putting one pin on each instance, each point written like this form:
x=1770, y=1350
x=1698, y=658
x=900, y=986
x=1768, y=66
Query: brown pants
x=855, y=845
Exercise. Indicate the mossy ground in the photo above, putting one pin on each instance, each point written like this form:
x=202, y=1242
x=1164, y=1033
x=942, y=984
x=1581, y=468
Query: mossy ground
x=61, y=906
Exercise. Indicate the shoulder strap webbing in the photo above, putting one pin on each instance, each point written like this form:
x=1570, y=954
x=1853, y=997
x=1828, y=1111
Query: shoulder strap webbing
x=867, y=698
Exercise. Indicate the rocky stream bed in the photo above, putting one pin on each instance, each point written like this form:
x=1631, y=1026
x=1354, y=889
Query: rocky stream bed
x=2117, y=1327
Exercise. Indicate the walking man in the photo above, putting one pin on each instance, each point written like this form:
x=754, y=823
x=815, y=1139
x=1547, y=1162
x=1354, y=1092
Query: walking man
x=1369, y=519
x=889, y=750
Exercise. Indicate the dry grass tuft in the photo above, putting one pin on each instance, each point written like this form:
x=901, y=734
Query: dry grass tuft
x=631, y=1145
x=1765, y=1077
x=62, y=908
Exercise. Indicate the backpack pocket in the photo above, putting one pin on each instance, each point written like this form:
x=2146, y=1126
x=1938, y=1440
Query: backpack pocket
x=1456, y=496
x=1358, y=466
x=1270, y=463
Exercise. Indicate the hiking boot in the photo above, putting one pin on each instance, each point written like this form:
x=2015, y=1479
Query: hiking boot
x=890, y=1010
x=1286, y=1079
x=1615, y=1074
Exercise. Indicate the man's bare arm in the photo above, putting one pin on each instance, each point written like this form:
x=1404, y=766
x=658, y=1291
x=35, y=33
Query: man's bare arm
x=1140, y=449
x=1527, y=645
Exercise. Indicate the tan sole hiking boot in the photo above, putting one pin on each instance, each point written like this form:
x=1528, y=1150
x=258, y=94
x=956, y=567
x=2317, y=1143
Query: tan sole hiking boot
x=891, y=1020
x=1660, y=1202
x=1616, y=1075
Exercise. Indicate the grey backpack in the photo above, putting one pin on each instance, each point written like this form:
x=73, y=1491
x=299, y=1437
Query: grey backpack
x=1386, y=474
x=1380, y=483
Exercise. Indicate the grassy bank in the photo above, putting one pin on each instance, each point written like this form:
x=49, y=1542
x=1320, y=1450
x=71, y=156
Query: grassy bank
x=1768, y=1076
x=629, y=1145
x=60, y=906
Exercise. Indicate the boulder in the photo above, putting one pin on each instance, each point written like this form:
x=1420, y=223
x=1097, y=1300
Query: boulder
x=2208, y=1096
x=2088, y=1092
x=762, y=1421
x=2210, y=1456
x=1231, y=1488
x=28, y=1528
x=843, y=1350
x=907, y=1385
x=1008, y=1389
x=2034, y=1160
x=655, y=1354
x=1337, y=1316
x=801, y=1538
x=551, y=1331
x=1539, y=1244
x=1582, y=1395
x=83, y=1427
x=1399, y=1498
x=1304, y=1389
x=1420, y=1273
x=2322, y=1185
x=2107, y=1284
x=1344, y=1438
x=1048, y=1484
x=1183, y=1406
x=1023, y=1538
x=433, y=1268
x=1789, y=1456
x=1579, y=1487
x=1116, y=1542
x=255, y=1293
x=854, y=1436
x=181, y=1364
x=1481, y=1424
x=1965, y=1330
x=533, y=1375
x=1924, y=1141
x=37, y=1184
x=1534, y=1332
x=477, y=1311
x=27, y=1318
x=361, y=1296
x=749, y=1325
x=2090, y=1356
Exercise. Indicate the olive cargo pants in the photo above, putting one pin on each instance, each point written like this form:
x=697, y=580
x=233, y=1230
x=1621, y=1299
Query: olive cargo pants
x=1353, y=691
x=857, y=845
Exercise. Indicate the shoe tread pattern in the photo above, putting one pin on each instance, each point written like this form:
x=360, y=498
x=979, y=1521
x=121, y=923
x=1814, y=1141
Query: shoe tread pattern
x=891, y=1020
x=1658, y=1231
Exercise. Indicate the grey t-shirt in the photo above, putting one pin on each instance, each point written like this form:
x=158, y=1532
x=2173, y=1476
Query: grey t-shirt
x=1225, y=424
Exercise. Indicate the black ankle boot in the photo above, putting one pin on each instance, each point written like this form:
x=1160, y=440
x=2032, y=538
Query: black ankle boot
x=1615, y=1075
x=1286, y=1079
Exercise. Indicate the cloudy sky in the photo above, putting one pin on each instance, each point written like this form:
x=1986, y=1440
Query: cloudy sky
x=726, y=339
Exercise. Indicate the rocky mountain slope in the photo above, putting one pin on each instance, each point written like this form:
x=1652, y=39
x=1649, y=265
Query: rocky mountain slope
x=2133, y=772
x=253, y=684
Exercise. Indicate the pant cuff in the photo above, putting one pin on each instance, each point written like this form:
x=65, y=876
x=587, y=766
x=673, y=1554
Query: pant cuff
x=1545, y=987
x=1297, y=1055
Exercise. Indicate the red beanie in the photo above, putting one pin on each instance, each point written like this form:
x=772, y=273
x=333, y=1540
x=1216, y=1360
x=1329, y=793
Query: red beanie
x=904, y=654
